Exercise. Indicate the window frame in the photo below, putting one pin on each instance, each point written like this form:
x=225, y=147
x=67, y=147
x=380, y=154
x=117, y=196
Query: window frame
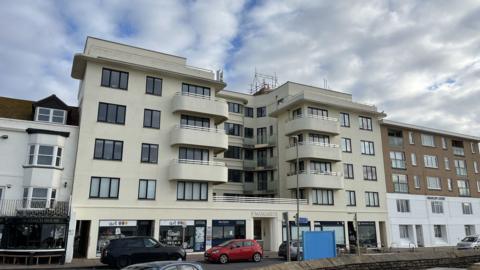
x=202, y=184
x=232, y=126
x=348, y=145
x=344, y=119
x=109, y=187
x=261, y=112
x=234, y=107
x=438, y=181
x=330, y=196
x=372, y=170
x=117, y=106
x=348, y=167
x=151, y=118
x=469, y=208
x=371, y=148
x=155, y=79
x=403, y=205
x=148, y=181
x=348, y=194
x=103, y=149
x=109, y=85
x=430, y=161
x=437, y=207
x=372, y=195
x=189, y=86
x=32, y=158
x=248, y=112
x=149, y=153
x=234, y=150
x=51, y=115
x=423, y=138
x=365, y=123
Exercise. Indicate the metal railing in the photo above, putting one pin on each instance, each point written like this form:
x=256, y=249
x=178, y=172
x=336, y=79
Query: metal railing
x=321, y=117
x=34, y=208
x=316, y=172
x=200, y=96
x=239, y=199
x=269, y=162
x=197, y=128
x=198, y=162
x=395, y=141
x=331, y=145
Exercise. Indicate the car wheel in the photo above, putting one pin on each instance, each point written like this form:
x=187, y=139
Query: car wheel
x=257, y=257
x=223, y=259
x=123, y=261
x=176, y=257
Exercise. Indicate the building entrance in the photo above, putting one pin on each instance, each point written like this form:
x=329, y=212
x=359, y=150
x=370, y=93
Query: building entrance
x=262, y=232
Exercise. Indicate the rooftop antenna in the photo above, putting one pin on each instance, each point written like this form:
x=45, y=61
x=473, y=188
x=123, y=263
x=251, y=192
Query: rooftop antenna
x=325, y=83
x=263, y=81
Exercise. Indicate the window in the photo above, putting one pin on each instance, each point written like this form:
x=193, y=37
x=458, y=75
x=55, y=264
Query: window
x=51, y=115
x=433, y=183
x=192, y=191
x=403, y=231
x=45, y=155
x=297, y=113
x=153, y=86
x=248, y=154
x=447, y=164
x=437, y=207
x=475, y=166
x=467, y=208
x=262, y=135
x=319, y=138
x=398, y=160
x=414, y=159
x=271, y=130
x=114, y=79
x=457, y=147
x=449, y=184
x=323, y=196
x=416, y=181
x=248, y=132
x=233, y=129
x=367, y=148
x=428, y=140
x=365, y=123
x=317, y=112
x=233, y=152
x=261, y=112
x=195, y=90
x=430, y=161
x=111, y=113
x=151, y=119
x=463, y=188
x=149, y=153
x=248, y=177
x=146, y=189
x=370, y=173
x=197, y=154
x=403, y=206
x=262, y=183
x=234, y=107
x=371, y=199
x=469, y=230
x=344, y=119
x=235, y=176
x=472, y=147
x=108, y=149
x=351, y=200
x=400, y=183
x=444, y=143
x=195, y=121
x=320, y=167
x=395, y=137
x=348, y=171
x=104, y=187
x=438, y=231
x=346, y=145
x=460, y=167
x=249, y=112
x=410, y=137
x=478, y=185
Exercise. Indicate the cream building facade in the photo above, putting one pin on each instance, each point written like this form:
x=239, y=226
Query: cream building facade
x=164, y=151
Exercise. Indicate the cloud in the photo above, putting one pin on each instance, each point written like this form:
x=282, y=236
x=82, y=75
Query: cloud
x=417, y=60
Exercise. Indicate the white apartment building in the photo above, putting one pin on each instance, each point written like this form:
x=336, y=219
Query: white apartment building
x=38, y=146
x=152, y=160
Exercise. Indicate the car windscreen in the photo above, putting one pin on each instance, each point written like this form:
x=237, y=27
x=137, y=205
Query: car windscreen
x=470, y=239
x=224, y=244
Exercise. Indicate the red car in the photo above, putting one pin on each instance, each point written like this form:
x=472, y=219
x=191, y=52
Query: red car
x=235, y=250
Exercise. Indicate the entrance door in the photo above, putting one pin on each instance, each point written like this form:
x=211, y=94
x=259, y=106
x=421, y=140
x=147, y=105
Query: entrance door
x=419, y=232
x=82, y=232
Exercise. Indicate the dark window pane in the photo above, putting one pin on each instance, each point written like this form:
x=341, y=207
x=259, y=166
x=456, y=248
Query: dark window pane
x=117, y=155
x=145, y=152
x=98, y=149
x=123, y=80
x=105, y=77
x=108, y=150
x=156, y=119
x=121, y=114
x=112, y=113
x=153, y=153
x=147, y=118
x=157, y=87
x=114, y=79
x=150, y=85
x=102, y=112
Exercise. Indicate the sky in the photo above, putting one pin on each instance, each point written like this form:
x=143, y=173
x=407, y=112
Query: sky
x=419, y=61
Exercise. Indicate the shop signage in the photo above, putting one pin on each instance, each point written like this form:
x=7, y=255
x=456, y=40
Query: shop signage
x=436, y=198
x=118, y=223
x=176, y=222
x=264, y=214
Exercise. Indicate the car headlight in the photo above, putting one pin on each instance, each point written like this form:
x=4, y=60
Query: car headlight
x=215, y=251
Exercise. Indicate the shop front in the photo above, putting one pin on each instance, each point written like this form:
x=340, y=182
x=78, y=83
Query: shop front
x=114, y=229
x=189, y=234
x=335, y=226
x=304, y=227
x=367, y=233
x=224, y=230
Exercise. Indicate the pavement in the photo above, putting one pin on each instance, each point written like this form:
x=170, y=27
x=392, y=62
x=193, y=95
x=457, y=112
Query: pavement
x=93, y=264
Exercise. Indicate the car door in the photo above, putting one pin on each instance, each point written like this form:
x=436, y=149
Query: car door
x=235, y=251
x=151, y=252
x=136, y=249
x=247, y=250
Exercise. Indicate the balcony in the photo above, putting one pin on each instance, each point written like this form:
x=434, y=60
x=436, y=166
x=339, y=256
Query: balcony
x=259, y=142
x=215, y=108
x=312, y=122
x=395, y=141
x=262, y=164
x=315, y=179
x=316, y=150
x=198, y=170
x=34, y=208
x=199, y=136
x=257, y=200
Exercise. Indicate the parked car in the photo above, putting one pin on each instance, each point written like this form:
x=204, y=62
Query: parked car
x=235, y=250
x=469, y=242
x=282, y=250
x=169, y=265
x=130, y=250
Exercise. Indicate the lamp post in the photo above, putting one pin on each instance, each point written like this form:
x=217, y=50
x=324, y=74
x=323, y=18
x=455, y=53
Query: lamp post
x=298, y=198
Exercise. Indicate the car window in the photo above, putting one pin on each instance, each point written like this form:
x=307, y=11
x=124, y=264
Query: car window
x=238, y=244
x=135, y=243
x=148, y=242
x=248, y=243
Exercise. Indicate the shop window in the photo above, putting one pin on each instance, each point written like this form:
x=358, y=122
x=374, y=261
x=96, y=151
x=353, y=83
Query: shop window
x=367, y=234
x=224, y=230
x=114, y=229
x=188, y=234
x=335, y=226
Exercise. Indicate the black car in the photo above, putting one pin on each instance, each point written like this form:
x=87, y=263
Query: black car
x=130, y=250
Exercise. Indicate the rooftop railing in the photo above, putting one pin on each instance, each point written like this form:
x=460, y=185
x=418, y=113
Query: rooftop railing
x=239, y=199
x=34, y=208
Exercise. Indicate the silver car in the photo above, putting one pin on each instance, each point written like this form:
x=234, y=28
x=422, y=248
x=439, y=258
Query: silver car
x=469, y=242
x=165, y=265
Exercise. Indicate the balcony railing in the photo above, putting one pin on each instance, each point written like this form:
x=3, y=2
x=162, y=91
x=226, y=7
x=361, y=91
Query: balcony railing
x=34, y=208
x=199, y=162
x=317, y=172
x=312, y=143
x=204, y=129
x=200, y=96
x=239, y=199
x=395, y=141
x=314, y=116
x=458, y=151
x=400, y=187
